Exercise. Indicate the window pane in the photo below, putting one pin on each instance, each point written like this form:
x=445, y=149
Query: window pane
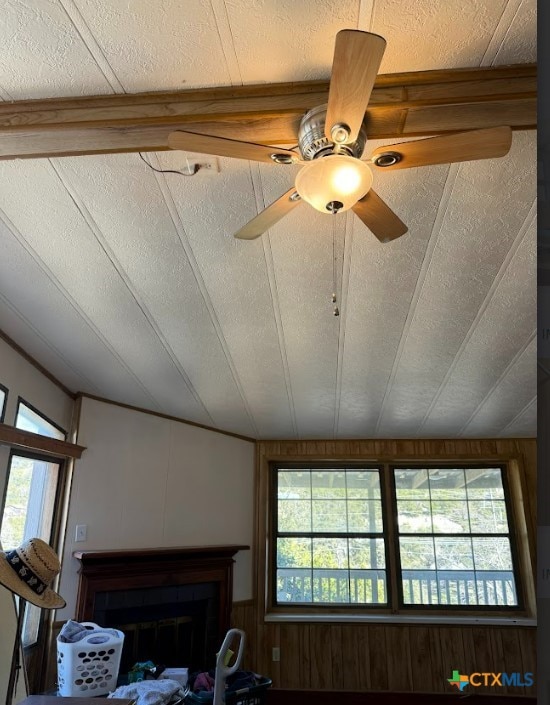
x=294, y=484
x=492, y=553
x=331, y=586
x=365, y=516
x=450, y=517
x=294, y=515
x=368, y=587
x=294, y=585
x=330, y=553
x=414, y=516
x=330, y=484
x=2, y=402
x=417, y=552
x=29, y=505
x=364, y=484
x=453, y=553
x=329, y=515
x=29, y=420
x=294, y=552
x=447, y=484
x=366, y=553
x=485, y=483
x=488, y=517
x=411, y=484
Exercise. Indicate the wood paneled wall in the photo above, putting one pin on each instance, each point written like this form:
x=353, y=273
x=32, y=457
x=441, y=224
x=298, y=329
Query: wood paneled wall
x=390, y=657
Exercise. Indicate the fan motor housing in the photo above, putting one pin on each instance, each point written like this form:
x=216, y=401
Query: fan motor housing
x=314, y=144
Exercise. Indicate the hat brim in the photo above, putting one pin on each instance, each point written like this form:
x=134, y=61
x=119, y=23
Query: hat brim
x=49, y=599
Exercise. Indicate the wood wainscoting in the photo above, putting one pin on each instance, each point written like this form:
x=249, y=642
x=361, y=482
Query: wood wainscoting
x=390, y=657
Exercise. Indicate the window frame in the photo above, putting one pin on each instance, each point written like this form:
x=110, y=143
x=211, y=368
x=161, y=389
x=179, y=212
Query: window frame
x=5, y=404
x=395, y=607
x=512, y=535
x=274, y=534
x=24, y=402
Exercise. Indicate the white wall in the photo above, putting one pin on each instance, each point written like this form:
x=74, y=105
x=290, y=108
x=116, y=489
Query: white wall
x=148, y=482
x=23, y=379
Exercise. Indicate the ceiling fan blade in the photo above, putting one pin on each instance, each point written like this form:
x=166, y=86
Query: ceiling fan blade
x=270, y=215
x=460, y=147
x=379, y=217
x=221, y=147
x=357, y=58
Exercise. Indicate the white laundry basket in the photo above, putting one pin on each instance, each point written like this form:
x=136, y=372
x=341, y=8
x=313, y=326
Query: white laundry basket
x=89, y=667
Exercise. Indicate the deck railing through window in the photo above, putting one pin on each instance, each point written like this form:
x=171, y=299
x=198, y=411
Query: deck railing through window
x=302, y=586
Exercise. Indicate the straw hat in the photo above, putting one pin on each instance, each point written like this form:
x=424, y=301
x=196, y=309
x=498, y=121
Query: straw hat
x=28, y=570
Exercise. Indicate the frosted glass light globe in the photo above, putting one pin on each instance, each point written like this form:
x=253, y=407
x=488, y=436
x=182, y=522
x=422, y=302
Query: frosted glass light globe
x=334, y=178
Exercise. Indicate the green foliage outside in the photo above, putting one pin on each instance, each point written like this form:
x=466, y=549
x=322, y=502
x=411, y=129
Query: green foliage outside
x=15, y=507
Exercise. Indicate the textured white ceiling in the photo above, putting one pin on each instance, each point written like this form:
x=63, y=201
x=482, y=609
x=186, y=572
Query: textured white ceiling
x=128, y=284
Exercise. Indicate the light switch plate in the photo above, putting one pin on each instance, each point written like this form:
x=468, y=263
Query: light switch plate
x=81, y=533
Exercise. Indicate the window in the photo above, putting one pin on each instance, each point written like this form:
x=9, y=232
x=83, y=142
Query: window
x=3, y=397
x=399, y=538
x=330, y=537
x=30, y=499
x=29, y=419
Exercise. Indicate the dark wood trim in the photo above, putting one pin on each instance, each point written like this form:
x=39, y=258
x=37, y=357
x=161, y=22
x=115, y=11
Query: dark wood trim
x=18, y=349
x=141, y=555
x=279, y=696
x=401, y=105
x=159, y=414
x=27, y=441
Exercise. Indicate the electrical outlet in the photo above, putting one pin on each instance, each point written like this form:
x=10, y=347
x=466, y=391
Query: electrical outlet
x=207, y=164
x=81, y=533
x=276, y=653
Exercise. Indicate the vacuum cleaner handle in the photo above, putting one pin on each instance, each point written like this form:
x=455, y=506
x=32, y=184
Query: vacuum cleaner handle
x=222, y=671
x=221, y=668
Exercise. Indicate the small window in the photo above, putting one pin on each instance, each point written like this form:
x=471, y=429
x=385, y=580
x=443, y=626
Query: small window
x=3, y=399
x=30, y=419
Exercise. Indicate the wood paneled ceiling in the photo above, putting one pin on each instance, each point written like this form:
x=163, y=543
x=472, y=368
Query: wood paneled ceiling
x=128, y=284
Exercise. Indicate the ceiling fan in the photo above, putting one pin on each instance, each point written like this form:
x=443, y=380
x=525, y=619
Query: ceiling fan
x=331, y=140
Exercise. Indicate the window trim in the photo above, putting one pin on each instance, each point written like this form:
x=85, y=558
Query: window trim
x=5, y=405
x=272, y=611
x=21, y=400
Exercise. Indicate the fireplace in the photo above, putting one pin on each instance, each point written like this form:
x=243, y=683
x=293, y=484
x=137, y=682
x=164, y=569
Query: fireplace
x=172, y=604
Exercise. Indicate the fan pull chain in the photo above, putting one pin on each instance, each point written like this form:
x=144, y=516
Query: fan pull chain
x=336, y=310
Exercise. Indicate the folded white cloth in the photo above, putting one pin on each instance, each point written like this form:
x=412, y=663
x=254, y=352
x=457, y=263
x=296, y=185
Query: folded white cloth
x=73, y=631
x=158, y=692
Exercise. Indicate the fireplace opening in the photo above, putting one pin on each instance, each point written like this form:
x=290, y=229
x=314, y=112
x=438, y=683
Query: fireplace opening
x=171, y=625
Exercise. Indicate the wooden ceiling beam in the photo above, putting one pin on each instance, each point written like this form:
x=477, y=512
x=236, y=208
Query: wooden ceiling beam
x=402, y=105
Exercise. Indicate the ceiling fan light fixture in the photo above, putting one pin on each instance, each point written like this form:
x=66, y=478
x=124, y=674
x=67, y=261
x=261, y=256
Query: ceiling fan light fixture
x=334, y=178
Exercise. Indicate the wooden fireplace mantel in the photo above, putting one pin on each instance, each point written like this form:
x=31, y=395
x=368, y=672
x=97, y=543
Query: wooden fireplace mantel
x=125, y=569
